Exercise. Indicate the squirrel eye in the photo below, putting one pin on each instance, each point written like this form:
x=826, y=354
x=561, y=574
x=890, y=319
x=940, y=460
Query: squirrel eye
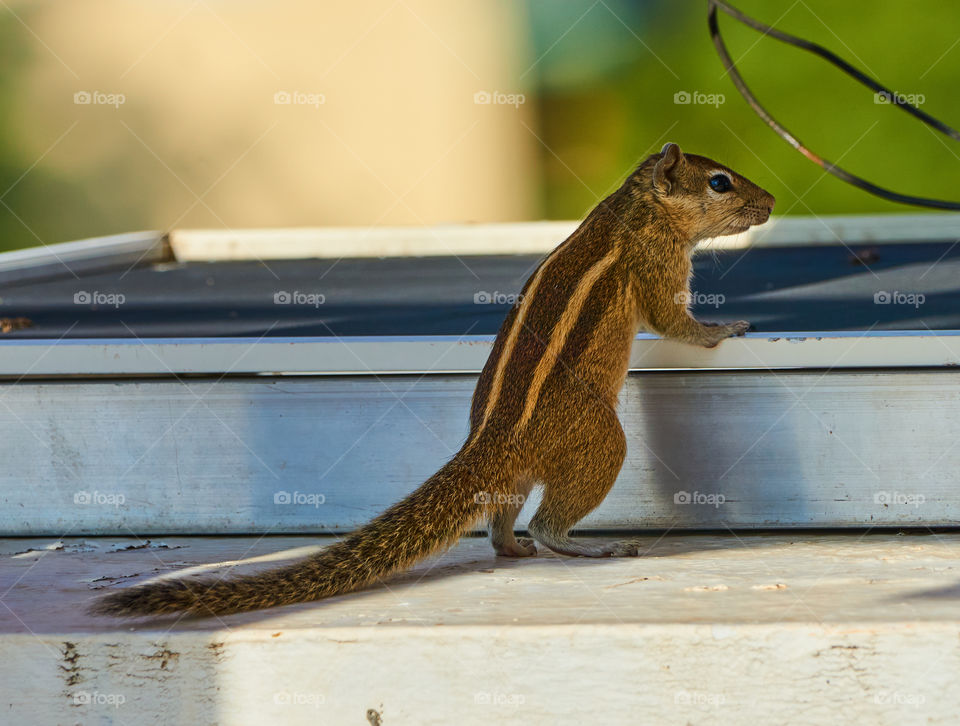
x=720, y=183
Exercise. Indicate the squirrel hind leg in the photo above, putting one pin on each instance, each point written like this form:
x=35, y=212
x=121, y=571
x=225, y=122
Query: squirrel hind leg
x=578, y=481
x=505, y=542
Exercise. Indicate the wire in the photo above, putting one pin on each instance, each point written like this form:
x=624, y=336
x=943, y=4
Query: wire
x=892, y=97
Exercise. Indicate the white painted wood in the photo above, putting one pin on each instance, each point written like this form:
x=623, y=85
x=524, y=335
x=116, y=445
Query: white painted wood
x=534, y=237
x=69, y=259
x=332, y=242
x=784, y=629
x=465, y=354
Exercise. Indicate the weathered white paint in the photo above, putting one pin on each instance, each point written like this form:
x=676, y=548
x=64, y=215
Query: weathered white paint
x=700, y=630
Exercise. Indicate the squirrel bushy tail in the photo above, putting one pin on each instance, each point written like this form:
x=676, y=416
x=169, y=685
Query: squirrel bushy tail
x=431, y=519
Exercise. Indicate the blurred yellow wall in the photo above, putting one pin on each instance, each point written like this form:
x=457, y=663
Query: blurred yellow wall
x=385, y=129
x=399, y=138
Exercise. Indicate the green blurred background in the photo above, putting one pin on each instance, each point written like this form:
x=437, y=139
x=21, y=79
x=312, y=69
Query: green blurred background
x=201, y=141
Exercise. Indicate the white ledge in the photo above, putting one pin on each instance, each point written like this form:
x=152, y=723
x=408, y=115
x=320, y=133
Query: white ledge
x=701, y=629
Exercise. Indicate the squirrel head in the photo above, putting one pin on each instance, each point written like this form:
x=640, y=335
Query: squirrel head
x=700, y=197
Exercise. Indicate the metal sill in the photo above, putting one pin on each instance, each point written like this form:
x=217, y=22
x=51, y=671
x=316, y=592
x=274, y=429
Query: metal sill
x=423, y=355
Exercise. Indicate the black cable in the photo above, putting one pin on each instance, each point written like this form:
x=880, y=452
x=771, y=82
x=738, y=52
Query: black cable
x=894, y=98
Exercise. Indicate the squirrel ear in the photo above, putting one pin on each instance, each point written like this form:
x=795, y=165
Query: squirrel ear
x=664, y=173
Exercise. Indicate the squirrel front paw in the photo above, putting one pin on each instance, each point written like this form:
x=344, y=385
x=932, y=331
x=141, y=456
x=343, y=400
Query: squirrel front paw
x=738, y=328
x=716, y=332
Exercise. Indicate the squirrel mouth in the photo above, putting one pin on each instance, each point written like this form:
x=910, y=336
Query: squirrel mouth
x=751, y=219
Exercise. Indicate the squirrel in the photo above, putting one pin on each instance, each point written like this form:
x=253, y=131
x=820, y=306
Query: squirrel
x=544, y=409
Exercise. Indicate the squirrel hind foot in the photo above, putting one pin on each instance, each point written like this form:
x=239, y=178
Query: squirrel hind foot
x=520, y=547
x=575, y=547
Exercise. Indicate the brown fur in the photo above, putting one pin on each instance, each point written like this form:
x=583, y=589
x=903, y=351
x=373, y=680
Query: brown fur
x=544, y=407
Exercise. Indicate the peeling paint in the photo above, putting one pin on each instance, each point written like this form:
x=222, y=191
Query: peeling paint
x=71, y=665
x=166, y=657
x=217, y=650
x=147, y=545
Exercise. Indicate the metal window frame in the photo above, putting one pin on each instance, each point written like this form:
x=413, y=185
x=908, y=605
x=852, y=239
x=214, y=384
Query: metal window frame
x=799, y=429
x=420, y=354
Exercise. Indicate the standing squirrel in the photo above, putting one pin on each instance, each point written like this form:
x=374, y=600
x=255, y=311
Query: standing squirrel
x=544, y=410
